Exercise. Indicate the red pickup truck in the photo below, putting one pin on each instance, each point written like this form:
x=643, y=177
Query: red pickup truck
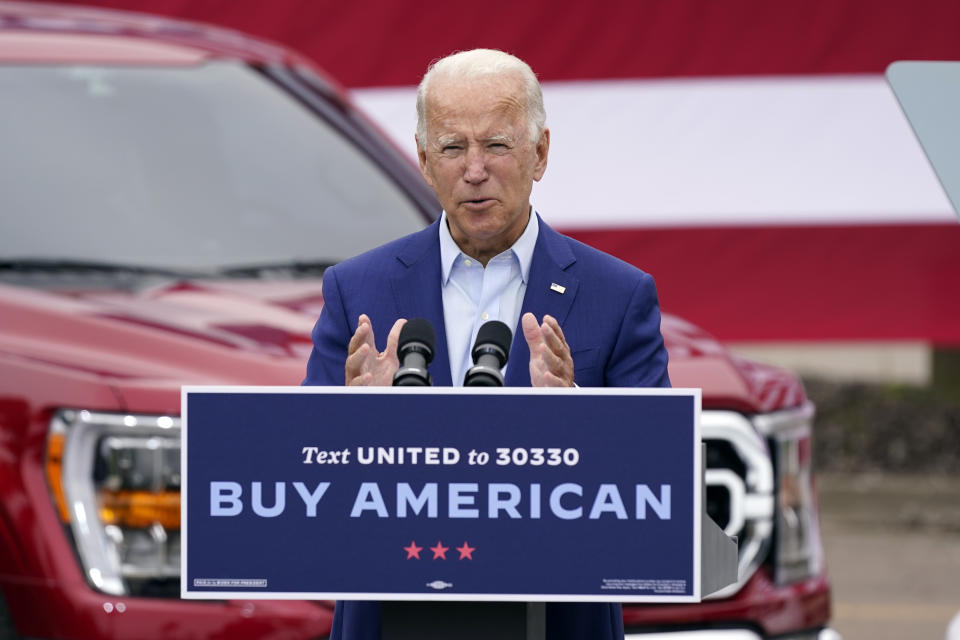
x=171, y=194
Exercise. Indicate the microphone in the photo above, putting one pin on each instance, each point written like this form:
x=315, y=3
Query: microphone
x=490, y=352
x=415, y=351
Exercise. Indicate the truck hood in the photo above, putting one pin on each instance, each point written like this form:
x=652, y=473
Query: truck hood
x=145, y=343
x=728, y=381
x=148, y=342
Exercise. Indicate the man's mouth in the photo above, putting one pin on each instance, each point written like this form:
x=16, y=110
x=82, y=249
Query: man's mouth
x=478, y=202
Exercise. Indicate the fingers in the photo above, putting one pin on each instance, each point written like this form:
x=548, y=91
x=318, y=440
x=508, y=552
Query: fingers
x=393, y=338
x=557, y=354
x=362, y=380
x=549, y=334
x=359, y=351
x=551, y=364
x=531, y=330
x=356, y=364
x=363, y=334
x=553, y=336
x=552, y=361
x=364, y=365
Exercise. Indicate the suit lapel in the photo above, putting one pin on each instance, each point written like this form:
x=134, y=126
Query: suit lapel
x=415, y=288
x=548, y=277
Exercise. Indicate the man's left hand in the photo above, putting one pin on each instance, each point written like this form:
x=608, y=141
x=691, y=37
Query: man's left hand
x=551, y=364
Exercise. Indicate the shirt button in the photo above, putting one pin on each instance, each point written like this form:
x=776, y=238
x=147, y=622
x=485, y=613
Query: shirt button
x=468, y=262
x=484, y=315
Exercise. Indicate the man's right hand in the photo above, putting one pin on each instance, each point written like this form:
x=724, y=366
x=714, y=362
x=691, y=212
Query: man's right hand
x=365, y=366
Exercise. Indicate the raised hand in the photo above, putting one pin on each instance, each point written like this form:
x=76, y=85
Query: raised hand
x=550, y=362
x=365, y=366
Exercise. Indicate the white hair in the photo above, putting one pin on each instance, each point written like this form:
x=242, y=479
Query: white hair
x=478, y=63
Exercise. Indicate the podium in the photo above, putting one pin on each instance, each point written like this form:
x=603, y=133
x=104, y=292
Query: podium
x=463, y=511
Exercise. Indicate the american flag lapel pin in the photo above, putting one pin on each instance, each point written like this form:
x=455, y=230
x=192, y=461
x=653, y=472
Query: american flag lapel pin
x=556, y=287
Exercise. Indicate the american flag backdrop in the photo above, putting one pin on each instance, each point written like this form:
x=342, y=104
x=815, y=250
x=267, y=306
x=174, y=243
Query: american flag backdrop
x=749, y=154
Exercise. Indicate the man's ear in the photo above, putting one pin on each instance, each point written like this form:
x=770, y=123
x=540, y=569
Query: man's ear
x=422, y=159
x=542, y=149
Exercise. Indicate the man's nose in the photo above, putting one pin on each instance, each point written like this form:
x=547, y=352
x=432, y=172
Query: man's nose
x=475, y=170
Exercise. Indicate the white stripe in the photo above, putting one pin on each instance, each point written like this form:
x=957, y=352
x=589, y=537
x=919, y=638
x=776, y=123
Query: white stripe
x=771, y=150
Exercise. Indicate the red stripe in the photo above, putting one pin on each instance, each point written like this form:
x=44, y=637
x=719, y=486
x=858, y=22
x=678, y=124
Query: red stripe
x=390, y=43
x=743, y=283
x=891, y=282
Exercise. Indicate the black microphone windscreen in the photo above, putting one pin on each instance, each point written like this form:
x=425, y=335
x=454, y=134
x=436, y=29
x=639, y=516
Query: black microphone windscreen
x=418, y=330
x=496, y=333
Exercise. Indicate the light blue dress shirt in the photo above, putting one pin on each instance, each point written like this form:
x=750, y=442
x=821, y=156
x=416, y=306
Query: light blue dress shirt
x=472, y=294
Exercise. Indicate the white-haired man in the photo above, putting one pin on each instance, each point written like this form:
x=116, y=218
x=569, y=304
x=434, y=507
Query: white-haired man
x=586, y=318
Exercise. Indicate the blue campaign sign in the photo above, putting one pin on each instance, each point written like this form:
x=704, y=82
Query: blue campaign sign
x=447, y=494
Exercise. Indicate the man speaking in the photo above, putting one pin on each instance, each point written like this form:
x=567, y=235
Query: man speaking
x=586, y=318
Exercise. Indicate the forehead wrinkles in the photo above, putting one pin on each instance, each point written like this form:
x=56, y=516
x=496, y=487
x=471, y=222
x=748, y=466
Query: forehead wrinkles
x=450, y=109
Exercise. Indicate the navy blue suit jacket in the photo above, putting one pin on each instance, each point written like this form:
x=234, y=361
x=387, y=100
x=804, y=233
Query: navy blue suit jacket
x=609, y=314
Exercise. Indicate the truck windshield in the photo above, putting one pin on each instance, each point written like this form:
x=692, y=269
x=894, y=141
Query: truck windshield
x=189, y=168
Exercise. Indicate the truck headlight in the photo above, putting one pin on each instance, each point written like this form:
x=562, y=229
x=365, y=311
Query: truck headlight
x=798, y=552
x=115, y=481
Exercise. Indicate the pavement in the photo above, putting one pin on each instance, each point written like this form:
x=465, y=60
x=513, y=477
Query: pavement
x=893, y=553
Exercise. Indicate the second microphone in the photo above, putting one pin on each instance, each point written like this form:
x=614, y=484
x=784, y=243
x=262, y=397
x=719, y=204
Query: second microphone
x=490, y=352
x=415, y=352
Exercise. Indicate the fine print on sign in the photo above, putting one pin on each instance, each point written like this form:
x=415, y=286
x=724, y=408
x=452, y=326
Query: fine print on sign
x=440, y=494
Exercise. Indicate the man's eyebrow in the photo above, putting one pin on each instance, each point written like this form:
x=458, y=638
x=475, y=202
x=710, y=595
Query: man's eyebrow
x=453, y=139
x=443, y=141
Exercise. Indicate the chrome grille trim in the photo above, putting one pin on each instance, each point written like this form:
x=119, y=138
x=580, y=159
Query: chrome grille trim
x=752, y=500
x=794, y=421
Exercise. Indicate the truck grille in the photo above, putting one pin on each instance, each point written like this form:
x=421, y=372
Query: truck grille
x=739, y=488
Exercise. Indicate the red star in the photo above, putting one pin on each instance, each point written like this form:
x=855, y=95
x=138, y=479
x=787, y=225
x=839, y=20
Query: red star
x=466, y=551
x=439, y=551
x=413, y=551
